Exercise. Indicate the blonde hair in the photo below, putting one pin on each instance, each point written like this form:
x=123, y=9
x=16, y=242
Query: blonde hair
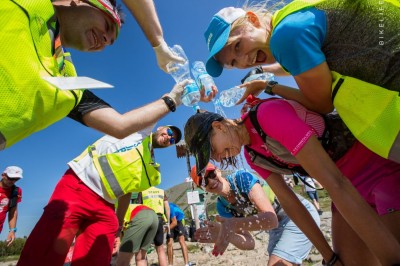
x=264, y=11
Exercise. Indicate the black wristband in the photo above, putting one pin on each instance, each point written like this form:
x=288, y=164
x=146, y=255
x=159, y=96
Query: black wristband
x=170, y=103
x=332, y=261
x=270, y=85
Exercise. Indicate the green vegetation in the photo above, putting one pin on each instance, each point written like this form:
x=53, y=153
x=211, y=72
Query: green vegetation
x=324, y=199
x=13, y=251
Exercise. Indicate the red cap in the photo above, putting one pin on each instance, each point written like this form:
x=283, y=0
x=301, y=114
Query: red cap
x=198, y=179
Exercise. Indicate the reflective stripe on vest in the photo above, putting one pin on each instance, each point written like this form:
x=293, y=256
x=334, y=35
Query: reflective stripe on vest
x=125, y=172
x=154, y=199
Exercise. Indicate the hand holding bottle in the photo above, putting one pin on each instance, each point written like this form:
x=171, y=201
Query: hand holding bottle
x=177, y=91
x=165, y=55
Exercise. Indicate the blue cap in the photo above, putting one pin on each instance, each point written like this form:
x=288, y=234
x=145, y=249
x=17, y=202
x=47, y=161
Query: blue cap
x=217, y=35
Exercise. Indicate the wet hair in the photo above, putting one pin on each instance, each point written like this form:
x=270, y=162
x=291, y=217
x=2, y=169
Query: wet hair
x=233, y=160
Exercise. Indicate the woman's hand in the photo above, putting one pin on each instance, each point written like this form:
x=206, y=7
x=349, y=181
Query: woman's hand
x=210, y=96
x=226, y=230
x=208, y=233
x=254, y=87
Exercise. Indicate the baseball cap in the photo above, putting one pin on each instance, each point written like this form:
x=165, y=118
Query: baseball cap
x=197, y=137
x=217, y=35
x=109, y=9
x=13, y=172
x=198, y=180
x=178, y=133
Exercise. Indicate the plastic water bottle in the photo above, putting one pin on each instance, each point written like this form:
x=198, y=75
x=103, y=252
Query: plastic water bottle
x=191, y=96
x=201, y=76
x=230, y=97
x=180, y=71
x=262, y=76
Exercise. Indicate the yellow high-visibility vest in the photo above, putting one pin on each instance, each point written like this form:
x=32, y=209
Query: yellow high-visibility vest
x=125, y=172
x=371, y=112
x=29, y=103
x=154, y=199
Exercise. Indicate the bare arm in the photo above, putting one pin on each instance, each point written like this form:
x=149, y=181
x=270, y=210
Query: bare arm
x=109, y=121
x=123, y=204
x=167, y=212
x=316, y=87
x=173, y=223
x=276, y=69
x=12, y=223
x=210, y=232
x=145, y=14
x=299, y=215
x=354, y=209
x=265, y=220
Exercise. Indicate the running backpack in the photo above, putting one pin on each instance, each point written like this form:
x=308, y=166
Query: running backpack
x=13, y=198
x=336, y=140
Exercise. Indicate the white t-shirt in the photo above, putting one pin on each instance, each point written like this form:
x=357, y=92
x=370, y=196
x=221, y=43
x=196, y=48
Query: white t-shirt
x=86, y=170
x=309, y=181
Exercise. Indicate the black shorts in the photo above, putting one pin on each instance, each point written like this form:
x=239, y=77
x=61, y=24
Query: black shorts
x=179, y=230
x=159, y=238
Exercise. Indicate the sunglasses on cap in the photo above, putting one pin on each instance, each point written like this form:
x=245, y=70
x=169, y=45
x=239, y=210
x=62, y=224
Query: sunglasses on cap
x=14, y=179
x=205, y=180
x=171, y=134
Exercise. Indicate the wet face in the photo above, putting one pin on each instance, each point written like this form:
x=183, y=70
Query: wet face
x=87, y=28
x=214, y=181
x=224, y=142
x=247, y=47
x=164, y=137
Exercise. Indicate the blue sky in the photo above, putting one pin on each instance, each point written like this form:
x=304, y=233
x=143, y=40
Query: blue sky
x=130, y=65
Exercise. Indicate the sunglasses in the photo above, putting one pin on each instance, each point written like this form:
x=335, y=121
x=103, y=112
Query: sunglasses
x=171, y=134
x=13, y=179
x=210, y=175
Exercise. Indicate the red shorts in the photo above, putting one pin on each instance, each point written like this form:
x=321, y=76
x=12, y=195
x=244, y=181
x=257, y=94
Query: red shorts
x=73, y=210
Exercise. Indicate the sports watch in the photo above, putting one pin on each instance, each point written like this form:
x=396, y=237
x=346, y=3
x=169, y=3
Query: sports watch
x=170, y=103
x=270, y=85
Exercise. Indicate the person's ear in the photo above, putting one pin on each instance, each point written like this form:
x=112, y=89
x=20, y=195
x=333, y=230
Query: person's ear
x=217, y=125
x=253, y=19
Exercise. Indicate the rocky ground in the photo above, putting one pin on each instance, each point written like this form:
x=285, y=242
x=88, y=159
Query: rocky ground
x=200, y=254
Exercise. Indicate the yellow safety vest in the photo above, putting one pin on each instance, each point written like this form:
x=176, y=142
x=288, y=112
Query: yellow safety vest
x=125, y=172
x=29, y=103
x=371, y=112
x=154, y=199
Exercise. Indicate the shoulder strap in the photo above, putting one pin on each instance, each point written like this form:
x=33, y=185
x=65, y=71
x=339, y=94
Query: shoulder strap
x=263, y=135
x=13, y=198
x=254, y=121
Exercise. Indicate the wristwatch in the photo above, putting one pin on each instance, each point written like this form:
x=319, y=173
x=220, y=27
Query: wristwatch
x=170, y=103
x=270, y=85
x=13, y=229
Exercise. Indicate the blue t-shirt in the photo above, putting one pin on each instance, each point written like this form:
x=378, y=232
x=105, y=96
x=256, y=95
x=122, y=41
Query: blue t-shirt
x=297, y=40
x=175, y=211
x=241, y=183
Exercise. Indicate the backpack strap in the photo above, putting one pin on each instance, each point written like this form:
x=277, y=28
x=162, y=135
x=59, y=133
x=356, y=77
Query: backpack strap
x=13, y=198
x=253, y=154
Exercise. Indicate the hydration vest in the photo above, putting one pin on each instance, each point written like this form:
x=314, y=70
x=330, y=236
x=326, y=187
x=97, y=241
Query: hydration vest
x=336, y=140
x=371, y=112
x=154, y=199
x=29, y=103
x=128, y=171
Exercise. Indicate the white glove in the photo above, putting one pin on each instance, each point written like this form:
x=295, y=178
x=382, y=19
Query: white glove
x=177, y=91
x=165, y=55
